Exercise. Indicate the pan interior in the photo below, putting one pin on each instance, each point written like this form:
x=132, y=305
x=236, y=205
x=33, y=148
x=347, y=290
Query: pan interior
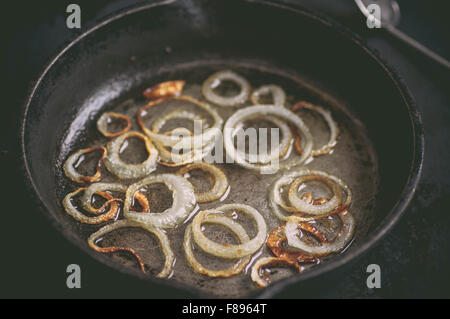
x=353, y=160
x=108, y=68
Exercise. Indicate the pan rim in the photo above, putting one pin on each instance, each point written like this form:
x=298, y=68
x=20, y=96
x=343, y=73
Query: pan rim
x=385, y=226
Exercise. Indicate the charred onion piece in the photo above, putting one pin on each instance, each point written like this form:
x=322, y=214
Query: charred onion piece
x=183, y=201
x=334, y=130
x=220, y=184
x=236, y=228
x=278, y=95
x=230, y=251
x=278, y=236
x=186, y=142
x=104, y=120
x=164, y=89
x=79, y=216
x=97, y=188
x=115, y=165
x=268, y=262
x=249, y=112
x=215, y=80
x=342, y=239
x=162, y=237
x=71, y=172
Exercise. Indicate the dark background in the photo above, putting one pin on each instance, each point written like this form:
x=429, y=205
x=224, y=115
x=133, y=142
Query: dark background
x=414, y=258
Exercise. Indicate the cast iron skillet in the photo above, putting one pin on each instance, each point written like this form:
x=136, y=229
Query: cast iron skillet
x=96, y=70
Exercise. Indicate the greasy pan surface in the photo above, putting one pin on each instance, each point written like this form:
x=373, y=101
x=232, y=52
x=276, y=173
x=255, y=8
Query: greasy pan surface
x=95, y=73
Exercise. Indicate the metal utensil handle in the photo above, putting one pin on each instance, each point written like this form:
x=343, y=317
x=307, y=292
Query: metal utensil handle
x=421, y=48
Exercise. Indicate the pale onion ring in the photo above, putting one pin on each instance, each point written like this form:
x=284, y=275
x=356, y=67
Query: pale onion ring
x=269, y=261
x=162, y=237
x=236, y=228
x=250, y=111
x=71, y=172
x=213, y=82
x=97, y=188
x=79, y=216
x=196, y=141
x=183, y=201
x=164, y=89
x=230, y=251
x=219, y=187
x=275, y=199
x=344, y=236
x=334, y=129
x=278, y=95
x=115, y=165
x=302, y=206
x=102, y=124
x=283, y=146
x=172, y=159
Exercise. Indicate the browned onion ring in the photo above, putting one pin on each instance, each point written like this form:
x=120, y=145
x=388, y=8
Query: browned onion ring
x=164, y=89
x=70, y=171
x=102, y=124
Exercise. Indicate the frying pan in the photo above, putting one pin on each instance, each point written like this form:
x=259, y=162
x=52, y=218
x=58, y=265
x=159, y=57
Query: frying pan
x=143, y=44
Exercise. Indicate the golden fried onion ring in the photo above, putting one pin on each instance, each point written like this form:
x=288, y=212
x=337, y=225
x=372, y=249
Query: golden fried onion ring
x=186, y=142
x=334, y=129
x=275, y=200
x=115, y=165
x=230, y=251
x=103, y=121
x=183, y=201
x=71, y=172
x=267, y=262
x=220, y=184
x=236, y=228
x=79, y=216
x=164, y=89
x=162, y=237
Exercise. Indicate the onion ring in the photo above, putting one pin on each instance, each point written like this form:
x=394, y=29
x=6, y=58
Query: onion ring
x=269, y=261
x=250, y=111
x=164, y=89
x=195, y=141
x=162, y=237
x=219, y=187
x=275, y=199
x=344, y=236
x=102, y=124
x=236, y=228
x=334, y=129
x=230, y=251
x=71, y=172
x=172, y=159
x=183, y=201
x=278, y=95
x=98, y=188
x=302, y=206
x=275, y=243
x=79, y=216
x=214, y=81
x=283, y=146
x=123, y=170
